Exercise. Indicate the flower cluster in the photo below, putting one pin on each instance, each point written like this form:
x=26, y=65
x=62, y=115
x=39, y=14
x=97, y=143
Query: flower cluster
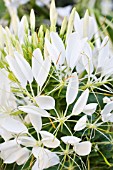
x=50, y=110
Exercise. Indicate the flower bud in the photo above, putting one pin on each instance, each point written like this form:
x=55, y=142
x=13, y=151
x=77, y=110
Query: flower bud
x=32, y=20
x=53, y=16
x=63, y=27
x=70, y=23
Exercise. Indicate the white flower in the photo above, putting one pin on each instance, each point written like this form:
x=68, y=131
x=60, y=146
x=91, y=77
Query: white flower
x=12, y=152
x=81, y=148
x=58, y=52
x=45, y=158
x=49, y=140
x=106, y=113
x=56, y=49
x=35, y=114
x=85, y=27
x=74, y=48
x=21, y=68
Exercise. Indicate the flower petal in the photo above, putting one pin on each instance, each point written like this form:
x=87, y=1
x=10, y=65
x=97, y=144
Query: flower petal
x=70, y=140
x=13, y=125
x=45, y=102
x=83, y=148
x=36, y=121
x=72, y=89
x=89, y=109
x=49, y=140
x=16, y=70
x=34, y=110
x=59, y=45
x=81, y=103
x=25, y=67
x=43, y=72
x=81, y=123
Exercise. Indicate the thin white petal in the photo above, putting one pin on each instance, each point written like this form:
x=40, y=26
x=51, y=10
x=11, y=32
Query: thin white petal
x=81, y=123
x=81, y=103
x=44, y=72
x=34, y=110
x=36, y=121
x=106, y=115
x=58, y=43
x=37, y=62
x=72, y=89
x=16, y=70
x=25, y=67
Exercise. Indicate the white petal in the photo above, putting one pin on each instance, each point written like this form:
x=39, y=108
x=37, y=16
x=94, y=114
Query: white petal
x=73, y=53
x=78, y=25
x=24, y=157
x=53, y=159
x=45, y=157
x=15, y=155
x=106, y=116
x=36, y=121
x=49, y=140
x=36, y=165
x=87, y=59
x=72, y=89
x=81, y=123
x=104, y=51
x=45, y=102
x=25, y=67
x=83, y=148
x=26, y=141
x=37, y=62
x=89, y=109
x=53, y=52
x=13, y=125
x=92, y=28
x=44, y=72
x=8, y=145
x=5, y=134
x=34, y=110
x=70, y=140
x=81, y=103
x=58, y=43
x=15, y=68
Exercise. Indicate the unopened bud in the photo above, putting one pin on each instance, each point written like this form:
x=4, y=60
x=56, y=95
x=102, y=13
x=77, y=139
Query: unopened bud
x=32, y=20
x=63, y=26
x=70, y=23
x=53, y=16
